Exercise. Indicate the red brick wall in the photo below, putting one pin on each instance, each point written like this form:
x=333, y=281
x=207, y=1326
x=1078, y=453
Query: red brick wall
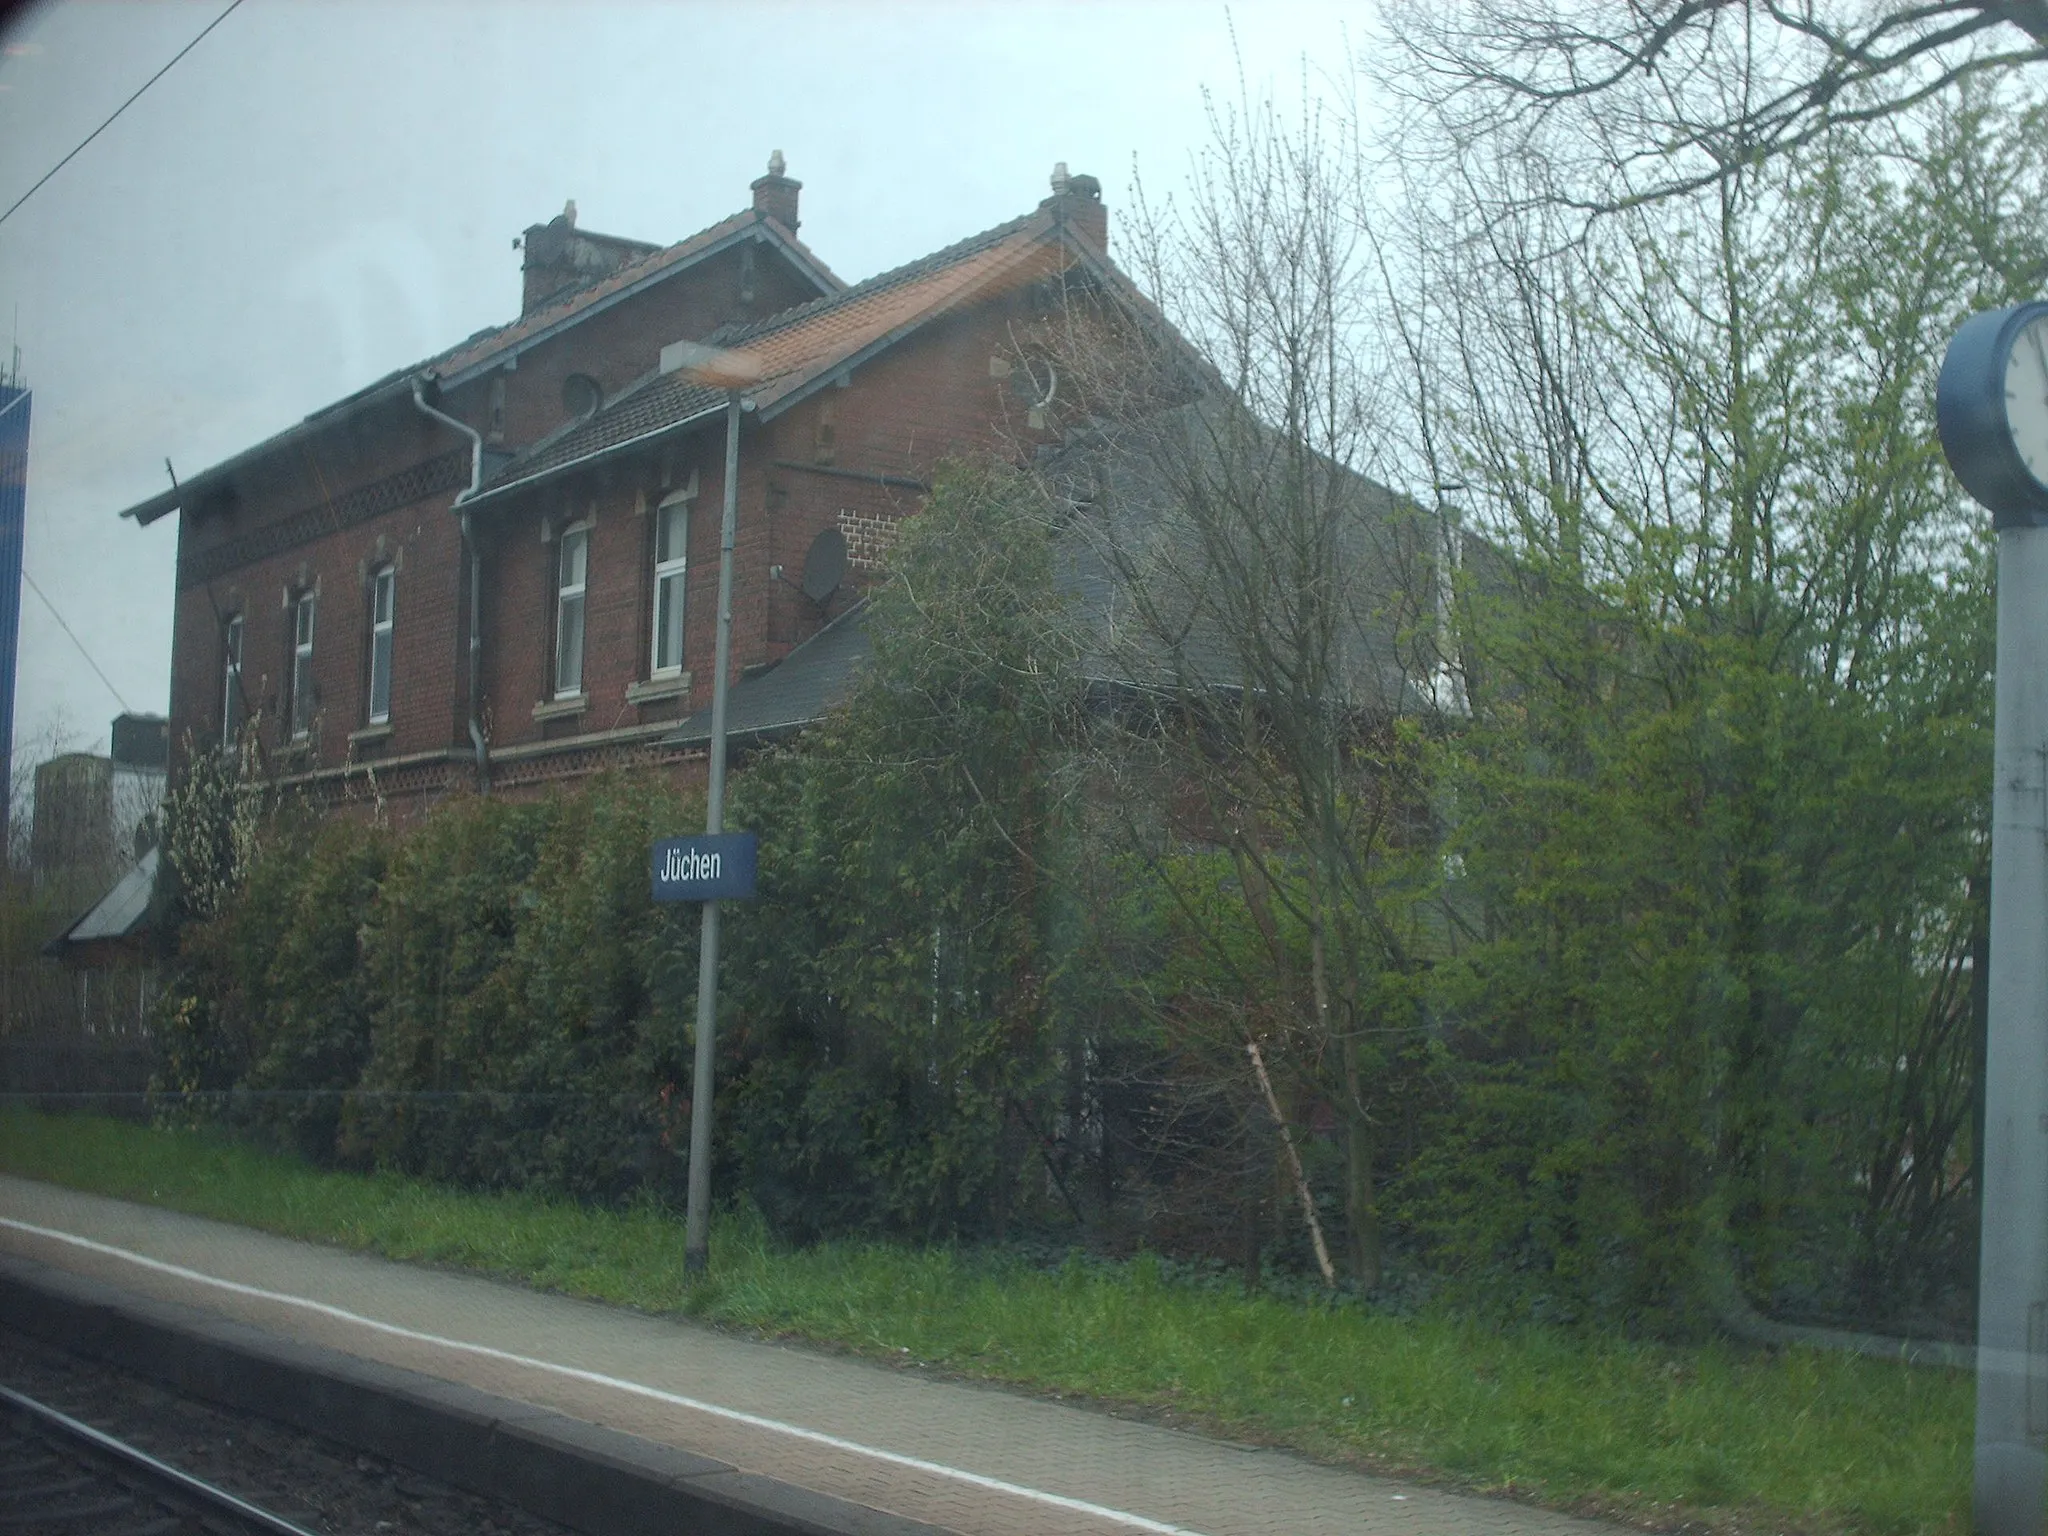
x=429, y=706
x=422, y=542
x=814, y=467
x=420, y=539
x=930, y=398
x=520, y=582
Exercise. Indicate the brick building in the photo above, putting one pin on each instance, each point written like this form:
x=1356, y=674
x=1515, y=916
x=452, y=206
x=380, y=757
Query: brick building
x=499, y=567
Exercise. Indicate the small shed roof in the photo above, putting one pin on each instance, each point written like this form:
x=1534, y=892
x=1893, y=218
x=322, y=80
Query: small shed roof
x=117, y=917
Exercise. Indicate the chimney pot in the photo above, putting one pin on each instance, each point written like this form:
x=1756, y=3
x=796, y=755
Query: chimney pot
x=775, y=195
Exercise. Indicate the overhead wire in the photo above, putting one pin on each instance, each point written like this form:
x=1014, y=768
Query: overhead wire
x=152, y=80
x=39, y=592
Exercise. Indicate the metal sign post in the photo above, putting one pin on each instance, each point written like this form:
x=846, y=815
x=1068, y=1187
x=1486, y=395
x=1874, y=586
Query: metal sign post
x=1992, y=407
x=697, y=1221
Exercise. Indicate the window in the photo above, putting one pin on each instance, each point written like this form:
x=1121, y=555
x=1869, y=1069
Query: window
x=231, y=682
x=671, y=566
x=382, y=594
x=571, y=571
x=302, y=666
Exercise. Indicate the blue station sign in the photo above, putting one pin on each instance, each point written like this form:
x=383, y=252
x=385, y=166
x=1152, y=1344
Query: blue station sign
x=706, y=868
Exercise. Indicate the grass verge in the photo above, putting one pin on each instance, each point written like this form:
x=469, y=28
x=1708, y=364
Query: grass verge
x=1793, y=1441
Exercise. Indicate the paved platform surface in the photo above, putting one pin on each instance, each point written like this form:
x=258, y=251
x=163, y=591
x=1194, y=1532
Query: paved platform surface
x=961, y=1457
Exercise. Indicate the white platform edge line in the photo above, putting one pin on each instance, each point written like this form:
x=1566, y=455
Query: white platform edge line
x=597, y=1378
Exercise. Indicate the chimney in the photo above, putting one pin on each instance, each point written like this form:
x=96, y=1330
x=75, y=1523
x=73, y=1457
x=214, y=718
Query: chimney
x=561, y=258
x=775, y=194
x=1076, y=202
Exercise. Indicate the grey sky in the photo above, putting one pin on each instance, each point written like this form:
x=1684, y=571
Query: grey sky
x=320, y=193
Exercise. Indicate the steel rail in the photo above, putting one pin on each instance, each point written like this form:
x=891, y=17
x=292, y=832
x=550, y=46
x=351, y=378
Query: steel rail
x=156, y=1477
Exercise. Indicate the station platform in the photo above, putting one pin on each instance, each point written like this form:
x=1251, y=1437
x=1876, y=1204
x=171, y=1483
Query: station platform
x=770, y=1437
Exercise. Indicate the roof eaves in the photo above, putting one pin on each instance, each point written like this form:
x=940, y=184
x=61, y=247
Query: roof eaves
x=148, y=511
x=741, y=736
x=611, y=450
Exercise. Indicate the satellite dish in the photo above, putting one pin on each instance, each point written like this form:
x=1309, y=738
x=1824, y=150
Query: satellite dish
x=825, y=565
x=1045, y=382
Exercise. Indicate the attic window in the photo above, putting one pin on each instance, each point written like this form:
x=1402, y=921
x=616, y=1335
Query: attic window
x=581, y=396
x=826, y=434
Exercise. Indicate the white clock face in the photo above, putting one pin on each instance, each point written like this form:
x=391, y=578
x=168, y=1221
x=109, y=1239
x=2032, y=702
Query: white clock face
x=2026, y=397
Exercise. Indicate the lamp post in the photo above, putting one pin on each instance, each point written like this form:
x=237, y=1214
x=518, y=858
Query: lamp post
x=1992, y=408
x=730, y=371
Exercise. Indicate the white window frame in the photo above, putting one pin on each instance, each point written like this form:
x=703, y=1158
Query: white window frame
x=383, y=617
x=673, y=572
x=305, y=610
x=570, y=597
x=231, y=681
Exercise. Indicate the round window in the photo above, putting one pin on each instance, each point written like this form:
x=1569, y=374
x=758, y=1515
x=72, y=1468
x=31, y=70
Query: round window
x=581, y=396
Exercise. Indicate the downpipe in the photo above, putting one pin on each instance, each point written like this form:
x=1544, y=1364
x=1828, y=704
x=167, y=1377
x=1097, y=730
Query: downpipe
x=475, y=557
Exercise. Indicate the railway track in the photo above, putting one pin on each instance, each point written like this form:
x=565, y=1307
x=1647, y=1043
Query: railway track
x=58, y=1476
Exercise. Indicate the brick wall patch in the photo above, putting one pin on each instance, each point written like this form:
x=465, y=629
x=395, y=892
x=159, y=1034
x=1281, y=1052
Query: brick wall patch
x=869, y=537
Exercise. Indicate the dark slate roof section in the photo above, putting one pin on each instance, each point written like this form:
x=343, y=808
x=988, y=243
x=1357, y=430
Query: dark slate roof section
x=1131, y=530
x=654, y=405
x=800, y=690
x=1124, y=529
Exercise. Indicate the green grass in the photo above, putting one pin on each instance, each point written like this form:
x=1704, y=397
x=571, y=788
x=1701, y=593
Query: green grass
x=1798, y=1440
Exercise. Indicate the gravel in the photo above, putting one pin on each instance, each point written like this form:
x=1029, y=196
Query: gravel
x=317, y=1483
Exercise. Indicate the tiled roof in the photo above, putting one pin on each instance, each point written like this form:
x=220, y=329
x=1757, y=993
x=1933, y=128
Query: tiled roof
x=801, y=345
x=883, y=282
x=655, y=404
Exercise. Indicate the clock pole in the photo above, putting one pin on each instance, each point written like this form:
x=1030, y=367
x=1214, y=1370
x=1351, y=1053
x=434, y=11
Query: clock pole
x=1991, y=402
x=2012, y=1275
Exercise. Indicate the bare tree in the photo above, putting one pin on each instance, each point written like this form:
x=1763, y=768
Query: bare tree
x=1630, y=103
x=1267, y=614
